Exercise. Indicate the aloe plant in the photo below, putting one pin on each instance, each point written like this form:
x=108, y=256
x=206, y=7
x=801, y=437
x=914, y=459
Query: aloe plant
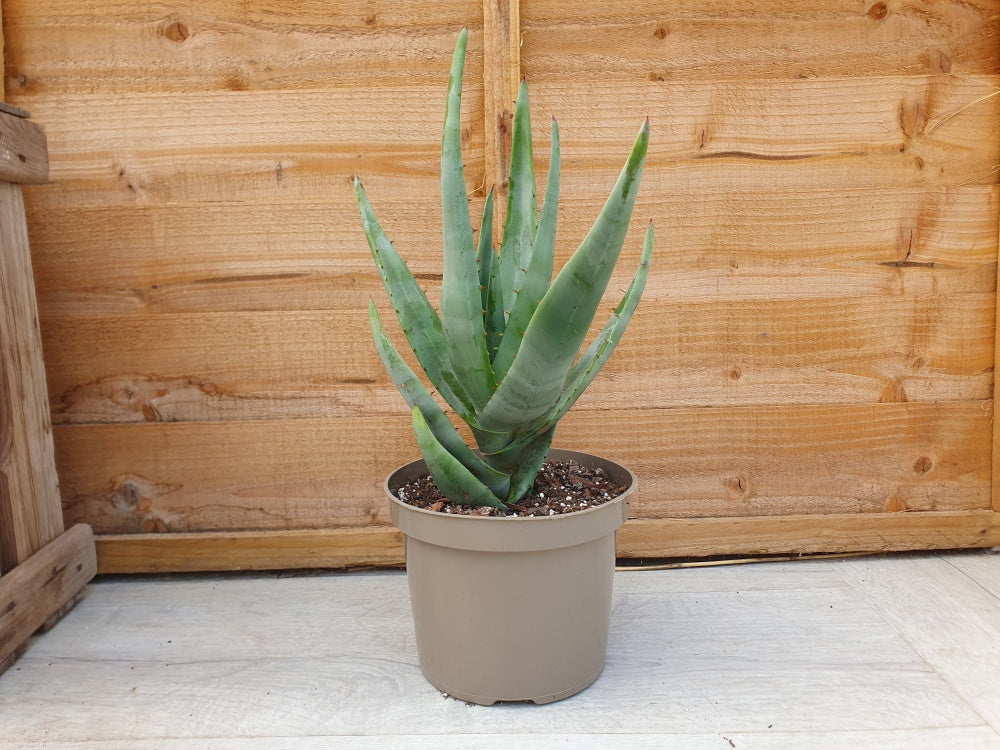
x=504, y=352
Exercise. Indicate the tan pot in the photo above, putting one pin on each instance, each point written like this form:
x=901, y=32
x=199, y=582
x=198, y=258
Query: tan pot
x=511, y=609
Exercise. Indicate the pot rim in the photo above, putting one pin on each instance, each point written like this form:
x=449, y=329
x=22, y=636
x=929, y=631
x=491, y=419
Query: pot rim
x=513, y=533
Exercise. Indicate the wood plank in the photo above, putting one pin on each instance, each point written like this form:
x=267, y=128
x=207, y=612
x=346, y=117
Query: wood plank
x=250, y=550
x=639, y=539
x=981, y=568
x=30, y=507
x=981, y=738
x=40, y=586
x=996, y=395
x=694, y=462
x=783, y=134
x=773, y=461
x=501, y=80
x=279, y=364
x=270, y=475
x=3, y=56
x=308, y=652
x=23, y=153
x=776, y=120
x=140, y=155
x=948, y=619
x=691, y=40
x=699, y=537
x=121, y=47
x=113, y=260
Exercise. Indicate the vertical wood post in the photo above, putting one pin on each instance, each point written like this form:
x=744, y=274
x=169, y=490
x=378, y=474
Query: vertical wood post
x=996, y=395
x=501, y=79
x=30, y=506
x=44, y=568
x=3, y=89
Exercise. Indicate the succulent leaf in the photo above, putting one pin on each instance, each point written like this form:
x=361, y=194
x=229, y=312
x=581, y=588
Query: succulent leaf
x=597, y=354
x=539, y=270
x=461, y=296
x=560, y=323
x=519, y=226
x=454, y=480
x=417, y=316
x=525, y=463
x=485, y=256
x=495, y=319
x=417, y=396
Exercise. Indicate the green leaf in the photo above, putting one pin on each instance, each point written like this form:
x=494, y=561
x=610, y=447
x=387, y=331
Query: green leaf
x=417, y=316
x=454, y=480
x=519, y=226
x=539, y=270
x=557, y=329
x=416, y=395
x=495, y=319
x=490, y=443
x=485, y=254
x=461, y=308
x=600, y=350
x=529, y=460
x=489, y=267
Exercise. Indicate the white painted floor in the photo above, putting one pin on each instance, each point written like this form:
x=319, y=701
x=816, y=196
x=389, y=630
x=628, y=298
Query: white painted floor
x=867, y=652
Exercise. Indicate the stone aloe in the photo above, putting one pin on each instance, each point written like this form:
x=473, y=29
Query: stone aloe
x=504, y=352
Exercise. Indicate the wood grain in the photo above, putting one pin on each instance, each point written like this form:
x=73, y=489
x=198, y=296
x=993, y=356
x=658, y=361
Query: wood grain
x=23, y=154
x=120, y=47
x=698, y=537
x=501, y=81
x=691, y=40
x=818, y=334
x=781, y=134
x=233, y=256
x=979, y=737
x=724, y=462
x=250, y=550
x=639, y=539
x=942, y=628
x=996, y=424
x=749, y=654
x=30, y=508
x=41, y=586
x=775, y=133
x=275, y=365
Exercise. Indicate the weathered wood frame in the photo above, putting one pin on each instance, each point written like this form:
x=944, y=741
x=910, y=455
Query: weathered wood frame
x=42, y=567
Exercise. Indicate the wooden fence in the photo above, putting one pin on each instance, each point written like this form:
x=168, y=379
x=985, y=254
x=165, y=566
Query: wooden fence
x=812, y=368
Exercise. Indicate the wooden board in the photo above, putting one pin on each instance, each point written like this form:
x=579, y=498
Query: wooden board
x=30, y=507
x=40, y=587
x=639, y=540
x=818, y=335
x=693, y=40
x=752, y=655
x=719, y=462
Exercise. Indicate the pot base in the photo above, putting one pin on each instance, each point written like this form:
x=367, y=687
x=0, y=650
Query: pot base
x=540, y=700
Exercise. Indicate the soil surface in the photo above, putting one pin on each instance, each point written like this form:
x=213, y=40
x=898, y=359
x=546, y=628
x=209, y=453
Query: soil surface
x=561, y=487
